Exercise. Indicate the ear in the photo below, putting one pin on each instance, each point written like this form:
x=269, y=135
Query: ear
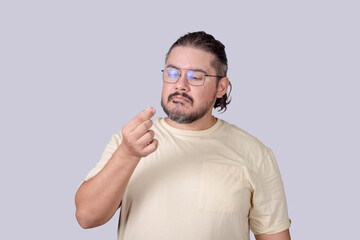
x=222, y=87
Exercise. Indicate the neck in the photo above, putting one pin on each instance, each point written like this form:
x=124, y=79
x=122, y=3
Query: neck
x=204, y=123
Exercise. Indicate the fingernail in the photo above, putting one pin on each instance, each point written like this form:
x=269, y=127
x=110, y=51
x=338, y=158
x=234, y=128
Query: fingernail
x=151, y=108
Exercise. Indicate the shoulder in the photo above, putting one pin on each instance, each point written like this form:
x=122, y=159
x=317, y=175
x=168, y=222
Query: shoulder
x=244, y=143
x=241, y=137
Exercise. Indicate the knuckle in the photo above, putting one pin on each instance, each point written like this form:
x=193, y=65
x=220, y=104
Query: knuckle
x=142, y=116
x=144, y=127
x=151, y=133
x=148, y=123
x=150, y=136
x=156, y=143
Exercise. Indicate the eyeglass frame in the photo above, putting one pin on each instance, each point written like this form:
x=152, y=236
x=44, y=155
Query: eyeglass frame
x=194, y=70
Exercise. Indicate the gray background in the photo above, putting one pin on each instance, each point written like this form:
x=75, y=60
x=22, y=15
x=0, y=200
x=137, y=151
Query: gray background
x=74, y=72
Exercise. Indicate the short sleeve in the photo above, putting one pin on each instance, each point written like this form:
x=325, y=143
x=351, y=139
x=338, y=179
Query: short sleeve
x=268, y=214
x=107, y=154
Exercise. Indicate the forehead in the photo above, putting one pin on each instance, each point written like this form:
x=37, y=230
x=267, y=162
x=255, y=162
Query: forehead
x=190, y=58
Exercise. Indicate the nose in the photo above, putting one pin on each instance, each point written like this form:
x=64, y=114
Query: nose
x=182, y=84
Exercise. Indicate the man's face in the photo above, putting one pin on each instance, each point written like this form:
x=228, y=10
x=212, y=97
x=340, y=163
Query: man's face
x=184, y=103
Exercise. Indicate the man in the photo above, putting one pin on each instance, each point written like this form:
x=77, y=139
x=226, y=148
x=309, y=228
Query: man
x=190, y=175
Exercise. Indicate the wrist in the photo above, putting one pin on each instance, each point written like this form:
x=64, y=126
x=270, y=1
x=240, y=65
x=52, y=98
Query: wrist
x=123, y=152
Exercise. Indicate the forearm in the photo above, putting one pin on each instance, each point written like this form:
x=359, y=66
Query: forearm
x=98, y=198
x=285, y=235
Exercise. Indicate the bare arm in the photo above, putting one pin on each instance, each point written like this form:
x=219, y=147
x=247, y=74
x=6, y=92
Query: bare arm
x=98, y=198
x=285, y=235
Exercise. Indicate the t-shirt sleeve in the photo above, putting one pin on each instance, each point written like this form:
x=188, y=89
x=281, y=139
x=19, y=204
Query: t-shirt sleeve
x=107, y=154
x=268, y=214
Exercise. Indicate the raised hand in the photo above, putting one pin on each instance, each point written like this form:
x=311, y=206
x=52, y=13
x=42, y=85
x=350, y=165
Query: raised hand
x=138, y=139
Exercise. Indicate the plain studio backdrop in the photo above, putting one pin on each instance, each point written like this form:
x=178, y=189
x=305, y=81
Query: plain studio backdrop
x=74, y=72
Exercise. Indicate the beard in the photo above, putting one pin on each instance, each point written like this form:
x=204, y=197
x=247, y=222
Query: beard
x=178, y=115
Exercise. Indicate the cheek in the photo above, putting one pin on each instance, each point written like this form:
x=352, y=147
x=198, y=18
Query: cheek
x=165, y=91
x=205, y=93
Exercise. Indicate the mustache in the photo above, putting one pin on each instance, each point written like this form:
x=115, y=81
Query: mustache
x=184, y=95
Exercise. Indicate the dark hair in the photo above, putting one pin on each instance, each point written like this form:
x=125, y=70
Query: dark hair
x=208, y=43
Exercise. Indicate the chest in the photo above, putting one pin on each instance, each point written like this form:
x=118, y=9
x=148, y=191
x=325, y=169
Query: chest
x=192, y=179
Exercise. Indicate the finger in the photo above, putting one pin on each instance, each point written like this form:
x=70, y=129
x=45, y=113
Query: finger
x=151, y=147
x=141, y=129
x=141, y=117
x=146, y=138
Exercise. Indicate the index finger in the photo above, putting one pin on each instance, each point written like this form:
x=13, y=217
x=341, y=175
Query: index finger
x=141, y=117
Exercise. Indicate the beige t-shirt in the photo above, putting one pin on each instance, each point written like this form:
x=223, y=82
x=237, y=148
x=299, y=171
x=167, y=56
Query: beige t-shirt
x=209, y=184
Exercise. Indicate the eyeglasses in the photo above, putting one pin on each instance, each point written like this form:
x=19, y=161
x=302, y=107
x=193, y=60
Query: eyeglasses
x=194, y=77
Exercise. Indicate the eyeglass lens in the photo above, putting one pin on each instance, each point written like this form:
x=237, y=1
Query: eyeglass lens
x=196, y=78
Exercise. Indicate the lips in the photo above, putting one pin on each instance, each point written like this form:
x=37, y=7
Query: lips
x=180, y=97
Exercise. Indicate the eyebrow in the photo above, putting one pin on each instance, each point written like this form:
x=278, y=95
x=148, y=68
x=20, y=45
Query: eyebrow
x=191, y=69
